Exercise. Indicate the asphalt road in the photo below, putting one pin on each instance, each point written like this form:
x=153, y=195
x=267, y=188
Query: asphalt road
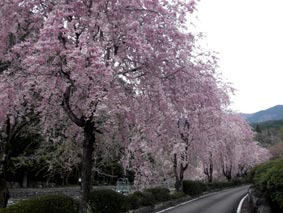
x=220, y=202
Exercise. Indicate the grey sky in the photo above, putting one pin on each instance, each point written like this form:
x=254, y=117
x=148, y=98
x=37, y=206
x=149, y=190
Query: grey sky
x=248, y=34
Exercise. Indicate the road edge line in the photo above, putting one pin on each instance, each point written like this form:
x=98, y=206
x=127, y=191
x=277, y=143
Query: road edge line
x=241, y=203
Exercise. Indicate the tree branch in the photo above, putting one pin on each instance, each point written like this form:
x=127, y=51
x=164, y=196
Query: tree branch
x=135, y=9
x=66, y=106
x=130, y=70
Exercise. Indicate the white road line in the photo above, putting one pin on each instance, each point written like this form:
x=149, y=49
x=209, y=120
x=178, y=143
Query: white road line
x=181, y=204
x=241, y=203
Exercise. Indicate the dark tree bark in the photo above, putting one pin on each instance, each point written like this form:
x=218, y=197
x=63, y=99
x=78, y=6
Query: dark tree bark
x=184, y=128
x=177, y=182
x=4, y=193
x=25, y=180
x=88, y=143
x=227, y=171
x=208, y=171
x=5, y=138
x=179, y=177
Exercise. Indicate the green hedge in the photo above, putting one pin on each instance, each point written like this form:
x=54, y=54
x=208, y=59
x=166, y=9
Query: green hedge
x=160, y=194
x=145, y=198
x=107, y=200
x=268, y=178
x=177, y=195
x=221, y=185
x=194, y=187
x=149, y=197
x=45, y=204
x=134, y=200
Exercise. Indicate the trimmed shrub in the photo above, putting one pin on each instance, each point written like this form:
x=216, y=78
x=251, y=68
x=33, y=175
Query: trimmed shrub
x=215, y=185
x=145, y=198
x=45, y=204
x=151, y=196
x=134, y=201
x=107, y=200
x=177, y=195
x=221, y=185
x=194, y=187
x=159, y=193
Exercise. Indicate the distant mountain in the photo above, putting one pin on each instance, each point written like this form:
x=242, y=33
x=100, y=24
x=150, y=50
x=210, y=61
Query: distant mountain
x=271, y=114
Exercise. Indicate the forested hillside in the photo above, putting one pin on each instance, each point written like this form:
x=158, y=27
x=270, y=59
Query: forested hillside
x=270, y=134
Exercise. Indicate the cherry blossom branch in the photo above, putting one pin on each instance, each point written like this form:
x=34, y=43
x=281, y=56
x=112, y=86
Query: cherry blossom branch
x=132, y=8
x=131, y=70
x=66, y=106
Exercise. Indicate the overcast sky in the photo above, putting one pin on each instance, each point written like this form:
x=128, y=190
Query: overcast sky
x=248, y=34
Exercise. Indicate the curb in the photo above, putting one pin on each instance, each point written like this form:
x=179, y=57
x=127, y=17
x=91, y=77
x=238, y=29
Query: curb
x=240, y=205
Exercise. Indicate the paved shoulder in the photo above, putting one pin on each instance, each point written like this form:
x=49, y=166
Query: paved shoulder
x=220, y=202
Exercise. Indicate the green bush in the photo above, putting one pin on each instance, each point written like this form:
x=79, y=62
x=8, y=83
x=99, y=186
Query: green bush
x=177, y=195
x=268, y=178
x=134, y=201
x=138, y=199
x=261, y=174
x=194, y=187
x=148, y=197
x=45, y=204
x=107, y=200
x=145, y=198
x=215, y=185
x=159, y=194
x=221, y=185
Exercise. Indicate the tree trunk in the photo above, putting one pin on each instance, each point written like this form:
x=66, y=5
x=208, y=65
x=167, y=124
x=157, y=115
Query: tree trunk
x=179, y=177
x=25, y=180
x=210, y=169
x=177, y=181
x=208, y=173
x=227, y=171
x=4, y=192
x=210, y=177
x=88, y=143
x=179, y=186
